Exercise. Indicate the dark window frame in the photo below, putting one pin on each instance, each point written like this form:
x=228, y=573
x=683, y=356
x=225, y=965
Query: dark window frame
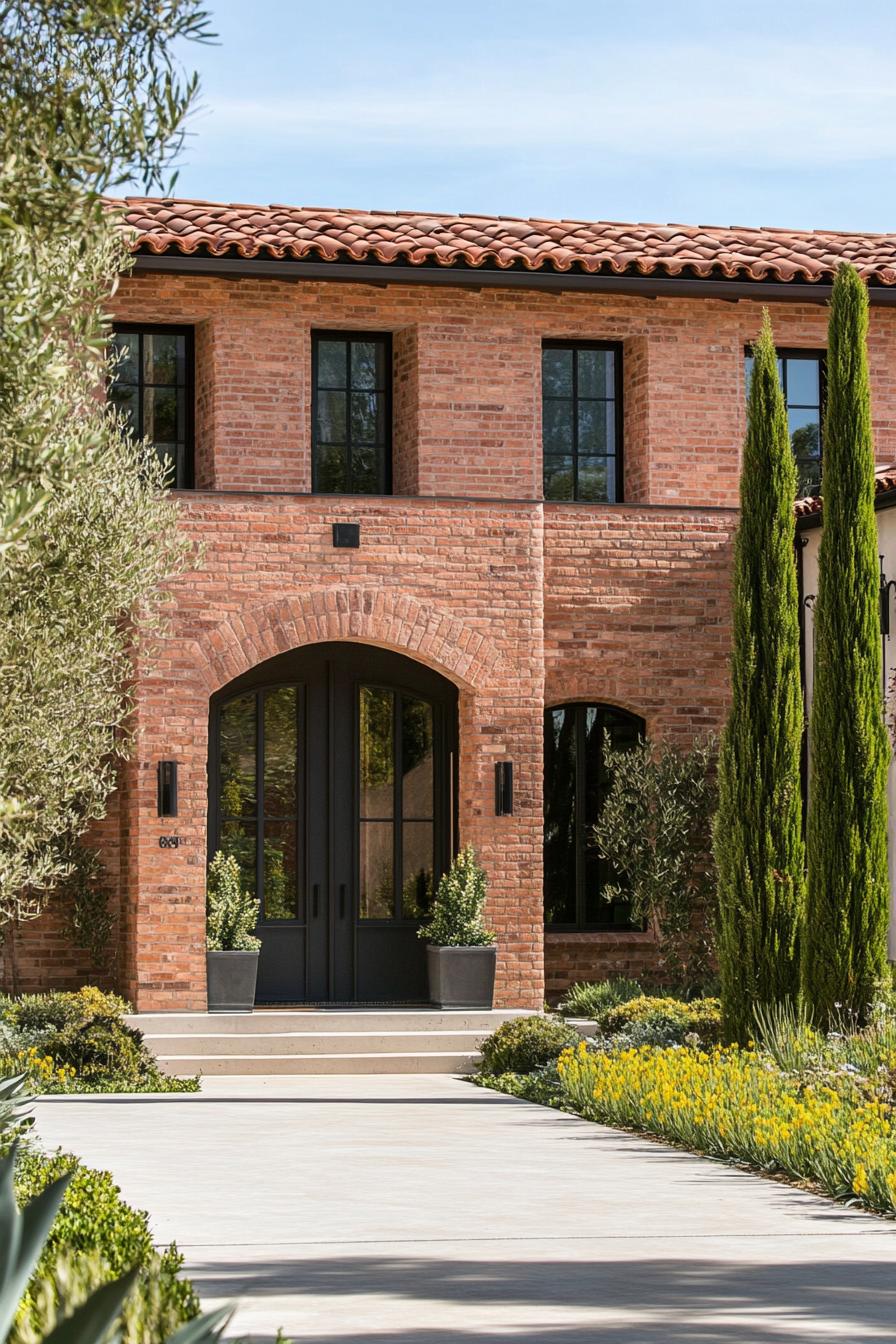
x=581, y=924
x=321, y=334
x=218, y=817
x=820, y=355
x=189, y=334
x=618, y=421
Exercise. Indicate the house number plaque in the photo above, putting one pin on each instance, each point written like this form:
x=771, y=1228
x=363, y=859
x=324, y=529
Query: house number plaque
x=169, y=842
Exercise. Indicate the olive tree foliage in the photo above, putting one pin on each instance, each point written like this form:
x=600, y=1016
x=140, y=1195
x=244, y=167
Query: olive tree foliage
x=91, y=97
x=655, y=832
x=77, y=603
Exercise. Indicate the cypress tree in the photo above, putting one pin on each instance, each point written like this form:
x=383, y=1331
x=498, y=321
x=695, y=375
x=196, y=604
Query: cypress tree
x=758, y=839
x=845, y=938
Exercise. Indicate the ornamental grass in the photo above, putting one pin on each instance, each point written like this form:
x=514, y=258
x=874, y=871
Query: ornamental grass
x=735, y=1103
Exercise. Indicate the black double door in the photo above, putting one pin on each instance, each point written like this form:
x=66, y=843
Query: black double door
x=331, y=782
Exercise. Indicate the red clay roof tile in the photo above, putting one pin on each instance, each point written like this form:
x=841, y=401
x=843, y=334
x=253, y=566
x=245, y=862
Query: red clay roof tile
x=884, y=484
x=162, y=225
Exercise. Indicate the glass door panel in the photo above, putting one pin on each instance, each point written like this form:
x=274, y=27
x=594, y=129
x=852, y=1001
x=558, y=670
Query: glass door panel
x=396, y=804
x=259, y=783
x=238, y=757
x=377, y=887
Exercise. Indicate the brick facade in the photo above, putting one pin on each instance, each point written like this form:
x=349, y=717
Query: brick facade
x=521, y=604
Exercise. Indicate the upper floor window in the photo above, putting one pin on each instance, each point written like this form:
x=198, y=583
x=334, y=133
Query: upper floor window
x=582, y=420
x=153, y=385
x=351, y=413
x=802, y=375
x=576, y=784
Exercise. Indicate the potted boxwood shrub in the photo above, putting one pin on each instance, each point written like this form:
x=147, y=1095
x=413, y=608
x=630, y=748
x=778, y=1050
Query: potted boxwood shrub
x=460, y=953
x=231, y=956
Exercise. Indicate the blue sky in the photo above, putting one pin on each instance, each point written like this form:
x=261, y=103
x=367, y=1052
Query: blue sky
x=656, y=110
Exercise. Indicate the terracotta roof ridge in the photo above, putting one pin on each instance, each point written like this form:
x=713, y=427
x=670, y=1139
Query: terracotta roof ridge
x=419, y=238
x=361, y=211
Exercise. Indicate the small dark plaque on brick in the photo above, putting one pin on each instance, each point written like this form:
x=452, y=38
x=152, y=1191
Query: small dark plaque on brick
x=347, y=534
x=169, y=842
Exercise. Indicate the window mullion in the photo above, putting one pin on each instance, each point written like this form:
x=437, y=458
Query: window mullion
x=141, y=391
x=575, y=422
x=397, y=807
x=580, y=815
x=348, y=419
x=259, y=801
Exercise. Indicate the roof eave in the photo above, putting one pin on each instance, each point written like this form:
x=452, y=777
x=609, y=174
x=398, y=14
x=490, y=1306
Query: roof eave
x=392, y=273
x=883, y=499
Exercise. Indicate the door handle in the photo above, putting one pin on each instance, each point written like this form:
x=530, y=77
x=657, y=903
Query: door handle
x=315, y=899
x=342, y=901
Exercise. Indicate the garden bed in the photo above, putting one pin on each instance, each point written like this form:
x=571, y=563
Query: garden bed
x=94, y=1239
x=79, y=1042
x=818, y=1110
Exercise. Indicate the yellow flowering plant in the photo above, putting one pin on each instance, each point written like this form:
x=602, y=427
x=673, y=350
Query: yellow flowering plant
x=736, y=1103
x=41, y=1071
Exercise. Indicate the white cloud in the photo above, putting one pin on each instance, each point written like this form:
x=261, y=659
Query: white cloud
x=758, y=105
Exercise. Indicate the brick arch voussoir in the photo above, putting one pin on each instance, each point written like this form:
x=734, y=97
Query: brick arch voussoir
x=361, y=615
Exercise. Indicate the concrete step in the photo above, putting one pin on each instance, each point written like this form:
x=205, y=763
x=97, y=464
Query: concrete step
x=319, y=1040
x=317, y=1043
x=264, y=1021
x=414, y=1061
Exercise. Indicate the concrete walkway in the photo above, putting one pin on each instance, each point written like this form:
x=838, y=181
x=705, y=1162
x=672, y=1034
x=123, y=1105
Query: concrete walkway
x=422, y=1210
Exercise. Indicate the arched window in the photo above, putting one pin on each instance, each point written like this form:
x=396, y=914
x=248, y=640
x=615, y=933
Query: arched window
x=576, y=782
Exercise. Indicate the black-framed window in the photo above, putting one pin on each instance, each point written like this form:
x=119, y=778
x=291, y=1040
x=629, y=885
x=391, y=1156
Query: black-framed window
x=351, y=413
x=576, y=783
x=153, y=384
x=802, y=374
x=581, y=390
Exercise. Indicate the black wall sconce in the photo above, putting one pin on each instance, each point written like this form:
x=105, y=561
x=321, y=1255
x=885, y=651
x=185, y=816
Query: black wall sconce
x=503, y=788
x=166, y=792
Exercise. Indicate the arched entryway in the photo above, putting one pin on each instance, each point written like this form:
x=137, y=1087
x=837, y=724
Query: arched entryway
x=332, y=780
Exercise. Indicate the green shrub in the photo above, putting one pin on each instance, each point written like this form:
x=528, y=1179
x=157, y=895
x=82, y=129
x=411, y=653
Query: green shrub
x=456, y=916
x=543, y=1086
x=524, y=1044
x=232, y=913
x=54, y=1011
x=95, y=1238
x=102, y=1048
x=669, y=1017
x=79, y=1041
x=593, y=1000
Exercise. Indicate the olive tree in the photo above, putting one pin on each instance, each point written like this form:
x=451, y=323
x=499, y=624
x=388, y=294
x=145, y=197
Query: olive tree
x=91, y=97
x=655, y=833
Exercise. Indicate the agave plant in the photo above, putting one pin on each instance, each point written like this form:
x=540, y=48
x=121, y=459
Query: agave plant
x=13, y=1100
x=22, y=1239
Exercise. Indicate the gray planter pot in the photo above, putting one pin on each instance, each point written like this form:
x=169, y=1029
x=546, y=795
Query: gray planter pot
x=461, y=977
x=231, y=981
